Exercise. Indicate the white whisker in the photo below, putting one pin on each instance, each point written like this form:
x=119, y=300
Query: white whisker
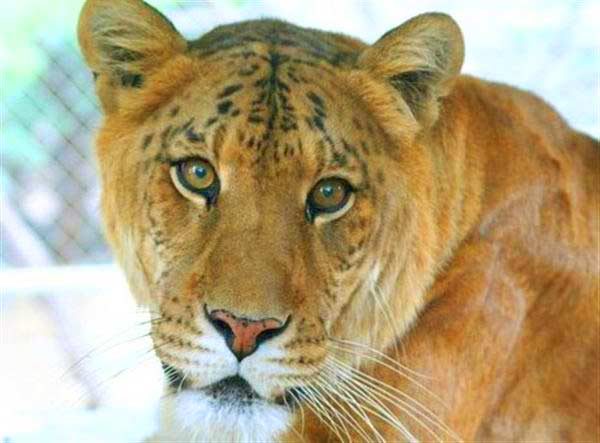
x=382, y=389
x=353, y=405
x=323, y=416
x=379, y=409
x=395, y=370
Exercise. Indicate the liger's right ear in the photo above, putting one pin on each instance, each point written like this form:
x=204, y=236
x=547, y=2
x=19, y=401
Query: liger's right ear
x=415, y=64
x=123, y=42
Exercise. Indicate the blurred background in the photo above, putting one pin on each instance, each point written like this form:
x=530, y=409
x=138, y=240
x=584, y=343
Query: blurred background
x=76, y=364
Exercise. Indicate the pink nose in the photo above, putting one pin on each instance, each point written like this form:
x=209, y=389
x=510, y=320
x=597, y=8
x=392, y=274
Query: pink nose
x=242, y=335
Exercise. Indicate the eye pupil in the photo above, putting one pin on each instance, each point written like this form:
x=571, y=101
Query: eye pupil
x=327, y=191
x=200, y=171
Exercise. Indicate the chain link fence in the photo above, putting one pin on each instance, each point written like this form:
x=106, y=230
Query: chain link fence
x=48, y=170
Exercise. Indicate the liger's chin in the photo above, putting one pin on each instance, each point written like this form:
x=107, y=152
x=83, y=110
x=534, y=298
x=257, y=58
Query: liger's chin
x=229, y=410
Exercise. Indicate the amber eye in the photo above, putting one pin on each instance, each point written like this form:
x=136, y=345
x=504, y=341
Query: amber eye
x=330, y=195
x=199, y=177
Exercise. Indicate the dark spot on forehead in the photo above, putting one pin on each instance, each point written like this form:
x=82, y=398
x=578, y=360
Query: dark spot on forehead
x=194, y=137
x=211, y=121
x=318, y=121
x=147, y=140
x=165, y=136
x=318, y=101
x=320, y=112
x=309, y=122
x=188, y=124
x=230, y=90
x=288, y=124
x=339, y=159
x=288, y=150
x=223, y=107
x=174, y=111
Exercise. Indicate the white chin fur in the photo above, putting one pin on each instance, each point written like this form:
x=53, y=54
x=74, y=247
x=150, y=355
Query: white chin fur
x=191, y=416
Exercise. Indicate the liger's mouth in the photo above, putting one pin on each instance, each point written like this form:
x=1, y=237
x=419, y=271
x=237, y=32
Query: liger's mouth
x=233, y=390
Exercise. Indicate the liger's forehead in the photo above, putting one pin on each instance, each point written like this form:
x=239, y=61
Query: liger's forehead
x=277, y=104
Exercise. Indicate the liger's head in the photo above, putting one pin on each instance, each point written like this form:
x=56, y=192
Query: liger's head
x=264, y=189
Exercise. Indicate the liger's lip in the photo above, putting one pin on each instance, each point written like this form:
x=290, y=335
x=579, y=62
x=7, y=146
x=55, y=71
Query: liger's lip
x=231, y=390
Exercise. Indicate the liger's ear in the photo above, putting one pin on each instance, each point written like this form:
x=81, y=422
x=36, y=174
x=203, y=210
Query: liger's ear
x=124, y=41
x=420, y=59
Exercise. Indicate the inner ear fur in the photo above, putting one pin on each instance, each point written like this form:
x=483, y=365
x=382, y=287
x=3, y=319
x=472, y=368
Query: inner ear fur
x=123, y=42
x=420, y=59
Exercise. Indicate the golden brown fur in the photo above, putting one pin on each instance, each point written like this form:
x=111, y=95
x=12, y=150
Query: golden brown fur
x=460, y=290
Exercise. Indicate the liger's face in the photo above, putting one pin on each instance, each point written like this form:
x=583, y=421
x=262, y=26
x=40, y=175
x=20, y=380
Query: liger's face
x=259, y=206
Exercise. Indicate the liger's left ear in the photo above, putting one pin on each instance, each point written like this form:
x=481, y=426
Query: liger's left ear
x=420, y=59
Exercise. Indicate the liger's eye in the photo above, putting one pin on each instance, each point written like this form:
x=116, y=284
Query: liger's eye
x=329, y=196
x=197, y=176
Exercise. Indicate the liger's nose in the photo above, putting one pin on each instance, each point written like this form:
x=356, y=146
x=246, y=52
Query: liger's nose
x=242, y=335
